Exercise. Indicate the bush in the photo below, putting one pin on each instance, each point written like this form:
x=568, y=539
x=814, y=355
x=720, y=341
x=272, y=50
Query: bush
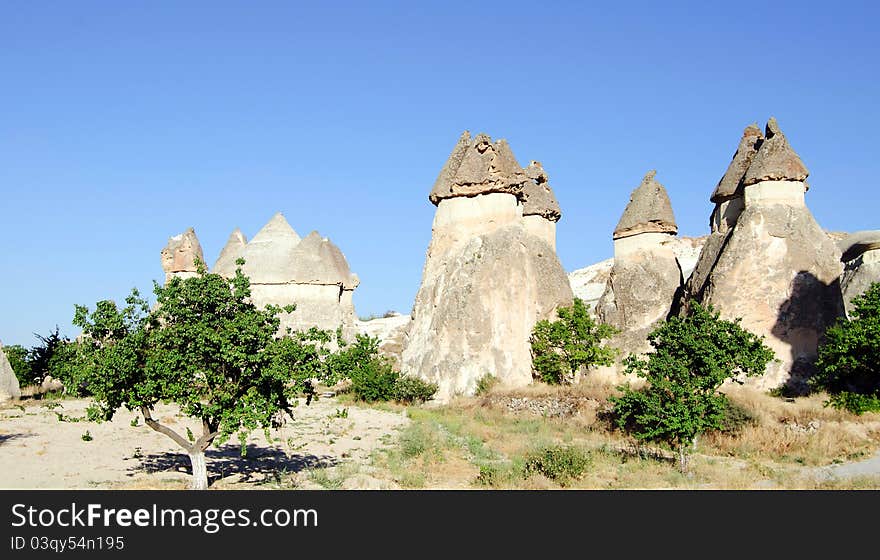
x=411, y=390
x=485, y=384
x=693, y=356
x=374, y=380
x=848, y=365
x=734, y=418
x=561, y=464
x=18, y=359
x=560, y=348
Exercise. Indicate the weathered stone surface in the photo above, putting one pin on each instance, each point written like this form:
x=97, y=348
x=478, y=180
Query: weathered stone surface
x=9, y=388
x=476, y=307
x=775, y=159
x=649, y=210
x=180, y=254
x=778, y=271
x=641, y=289
x=269, y=255
x=589, y=283
x=391, y=332
x=854, y=244
x=537, y=196
x=478, y=166
x=861, y=264
x=730, y=184
x=232, y=251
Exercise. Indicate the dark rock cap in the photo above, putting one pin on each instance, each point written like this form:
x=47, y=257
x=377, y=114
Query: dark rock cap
x=775, y=160
x=537, y=196
x=478, y=166
x=649, y=210
x=730, y=185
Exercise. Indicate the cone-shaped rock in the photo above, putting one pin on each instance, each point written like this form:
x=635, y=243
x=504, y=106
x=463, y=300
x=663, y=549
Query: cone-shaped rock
x=269, y=255
x=180, y=254
x=730, y=184
x=316, y=260
x=537, y=196
x=9, y=388
x=775, y=160
x=234, y=248
x=648, y=211
x=478, y=166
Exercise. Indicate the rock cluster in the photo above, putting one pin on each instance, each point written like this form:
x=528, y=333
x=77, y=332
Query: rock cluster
x=490, y=273
x=767, y=260
x=284, y=269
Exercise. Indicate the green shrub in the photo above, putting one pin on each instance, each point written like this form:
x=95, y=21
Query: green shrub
x=559, y=463
x=734, y=418
x=693, y=356
x=560, y=348
x=848, y=365
x=18, y=359
x=412, y=390
x=374, y=380
x=485, y=384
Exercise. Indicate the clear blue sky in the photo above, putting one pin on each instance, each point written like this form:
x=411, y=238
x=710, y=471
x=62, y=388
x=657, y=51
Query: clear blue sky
x=124, y=123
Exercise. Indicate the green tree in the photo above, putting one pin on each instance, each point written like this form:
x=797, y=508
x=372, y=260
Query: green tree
x=206, y=348
x=574, y=341
x=693, y=356
x=848, y=364
x=43, y=357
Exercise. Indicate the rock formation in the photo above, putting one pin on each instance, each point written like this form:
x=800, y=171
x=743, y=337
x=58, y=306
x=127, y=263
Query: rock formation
x=231, y=252
x=9, y=389
x=178, y=257
x=539, y=206
x=589, y=283
x=643, y=282
x=283, y=268
x=487, y=278
x=861, y=260
x=772, y=265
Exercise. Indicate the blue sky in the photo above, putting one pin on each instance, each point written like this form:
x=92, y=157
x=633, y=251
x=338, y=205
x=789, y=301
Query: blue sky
x=124, y=123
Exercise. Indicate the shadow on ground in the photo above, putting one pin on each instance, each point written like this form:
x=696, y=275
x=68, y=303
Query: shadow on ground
x=9, y=437
x=259, y=463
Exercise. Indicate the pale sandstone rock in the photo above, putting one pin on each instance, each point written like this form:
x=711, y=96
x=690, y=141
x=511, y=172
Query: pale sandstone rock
x=730, y=184
x=775, y=268
x=180, y=254
x=9, y=389
x=232, y=251
x=391, y=332
x=861, y=264
x=269, y=255
x=487, y=280
x=589, y=283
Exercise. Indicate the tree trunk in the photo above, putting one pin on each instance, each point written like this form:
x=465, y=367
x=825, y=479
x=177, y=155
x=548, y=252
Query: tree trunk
x=682, y=458
x=199, y=470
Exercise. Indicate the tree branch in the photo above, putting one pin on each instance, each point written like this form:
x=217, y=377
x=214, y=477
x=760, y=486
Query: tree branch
x=162, y=429
x=209, y=432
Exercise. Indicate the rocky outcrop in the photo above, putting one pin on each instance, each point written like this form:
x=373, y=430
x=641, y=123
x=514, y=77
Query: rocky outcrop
x=728, y=194
x=391, y=331
x=861, y=259
x=775, y=267
x=180, y=254
x=487, y=279
x=231, y=252
x=646, y=276
x=9, y=389
x=284, y=269
x=539, y=206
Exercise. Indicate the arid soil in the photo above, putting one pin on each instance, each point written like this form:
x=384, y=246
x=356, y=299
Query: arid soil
x=40, y=451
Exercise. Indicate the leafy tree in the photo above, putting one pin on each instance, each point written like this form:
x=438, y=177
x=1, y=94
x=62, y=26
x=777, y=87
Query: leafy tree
x=43, y=358
x=560, y=348
x=848, y=365
x=693, y=356
x=205, y=347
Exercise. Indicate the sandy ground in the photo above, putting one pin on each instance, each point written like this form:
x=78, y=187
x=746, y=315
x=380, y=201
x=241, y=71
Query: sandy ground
x=39, y=451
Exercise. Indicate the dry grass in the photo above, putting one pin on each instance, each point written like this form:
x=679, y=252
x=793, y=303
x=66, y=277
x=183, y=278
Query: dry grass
x=449, y=446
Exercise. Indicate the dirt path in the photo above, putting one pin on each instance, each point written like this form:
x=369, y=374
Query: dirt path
x=37, y=450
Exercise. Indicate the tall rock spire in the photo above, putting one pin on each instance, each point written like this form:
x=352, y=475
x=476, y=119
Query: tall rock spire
x=775, y=160
x=730, y=184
